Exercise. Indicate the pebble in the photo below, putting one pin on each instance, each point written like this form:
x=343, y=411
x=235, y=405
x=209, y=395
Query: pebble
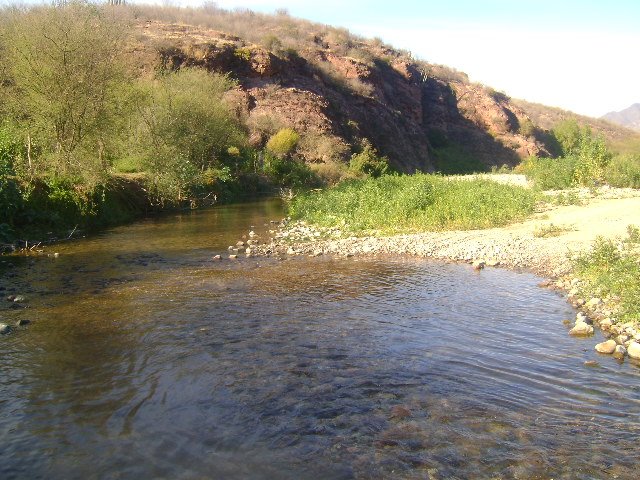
x=581, y=329
x=619, y=352
x=621, y=339
x=633, y=350
x=478, y=265
x=605, y=324
x=4, y=328
x=607, y=347
x=22, y=322
x=400, y=411
x=233, y=257
x=594, y=302
x=217, y=257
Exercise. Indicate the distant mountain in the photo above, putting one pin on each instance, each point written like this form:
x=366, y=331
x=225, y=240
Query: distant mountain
x=629, y=117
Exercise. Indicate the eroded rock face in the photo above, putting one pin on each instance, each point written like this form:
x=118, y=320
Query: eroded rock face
x=405, y=112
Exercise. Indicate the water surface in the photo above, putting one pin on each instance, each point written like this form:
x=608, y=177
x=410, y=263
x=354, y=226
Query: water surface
x=146, y=359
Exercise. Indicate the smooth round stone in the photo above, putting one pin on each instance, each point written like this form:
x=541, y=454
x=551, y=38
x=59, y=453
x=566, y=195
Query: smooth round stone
x=581, y=329
x=633, y=350
x=607, y=347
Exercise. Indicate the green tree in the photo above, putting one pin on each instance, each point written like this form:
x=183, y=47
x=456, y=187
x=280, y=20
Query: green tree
x=186, y=129
x=66, y=76
x=568, y=134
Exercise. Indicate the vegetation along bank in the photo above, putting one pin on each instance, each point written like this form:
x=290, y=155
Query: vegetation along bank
x=166, y=107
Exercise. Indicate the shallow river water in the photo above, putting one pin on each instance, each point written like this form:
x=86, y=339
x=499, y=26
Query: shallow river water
x=146, y=359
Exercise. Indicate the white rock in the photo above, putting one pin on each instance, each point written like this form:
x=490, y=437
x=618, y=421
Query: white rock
x=594, y=302
x=634, y=350
x=581, y=329
x=607, y=347
x=605, y=324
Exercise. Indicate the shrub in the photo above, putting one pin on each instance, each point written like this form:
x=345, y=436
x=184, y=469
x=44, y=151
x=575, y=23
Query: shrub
x=322, y=148
x=613, y=270
x=368, y=162
x=623, y=171
x=67, y=64
x=284, y=142
x=549, y=173
x=331, y=173
x=527, y=128
x=291, y=173
x=10, y=194
x=453, y=159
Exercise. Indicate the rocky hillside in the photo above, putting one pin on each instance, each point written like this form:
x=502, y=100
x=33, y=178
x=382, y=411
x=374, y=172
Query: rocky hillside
x=546, y=117
x=629, y=117
x=422, y=117
x=340, y=91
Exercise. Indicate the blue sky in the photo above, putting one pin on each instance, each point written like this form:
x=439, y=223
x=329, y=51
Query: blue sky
x=577, y=55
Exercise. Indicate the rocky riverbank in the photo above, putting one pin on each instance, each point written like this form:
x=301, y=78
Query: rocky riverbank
x=543, y=245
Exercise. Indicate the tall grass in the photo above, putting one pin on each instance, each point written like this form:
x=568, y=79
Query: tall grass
x=613, y=269
x=392, y=204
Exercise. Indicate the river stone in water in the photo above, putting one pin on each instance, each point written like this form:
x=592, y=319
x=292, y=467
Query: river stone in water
x=620, y=352
x=581, y=329
x=634, y=350
x=607, y=347
x=4, y=328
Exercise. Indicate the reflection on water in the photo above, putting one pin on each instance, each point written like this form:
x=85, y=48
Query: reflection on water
x=145, y=359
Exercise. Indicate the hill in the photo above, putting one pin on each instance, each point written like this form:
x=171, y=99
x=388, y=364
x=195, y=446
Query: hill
x=340, y=91
x=629, y=117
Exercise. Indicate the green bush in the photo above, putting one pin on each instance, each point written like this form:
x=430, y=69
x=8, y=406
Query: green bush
x=283, y=142
x=66, y=64
x=585, y=152
x=291, y=173
x=612, y=270
x=623, y=171
x=549, y=173
x=368, y=162
x=10, y=194
x=414, y=203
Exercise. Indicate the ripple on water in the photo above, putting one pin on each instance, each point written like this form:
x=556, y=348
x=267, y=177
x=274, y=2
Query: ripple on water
x=308, y=368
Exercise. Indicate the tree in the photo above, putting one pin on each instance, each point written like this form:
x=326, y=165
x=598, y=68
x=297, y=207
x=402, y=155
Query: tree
x=185, y=129
x=67, y=76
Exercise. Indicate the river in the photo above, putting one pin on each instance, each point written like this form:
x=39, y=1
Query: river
x=145, y=358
